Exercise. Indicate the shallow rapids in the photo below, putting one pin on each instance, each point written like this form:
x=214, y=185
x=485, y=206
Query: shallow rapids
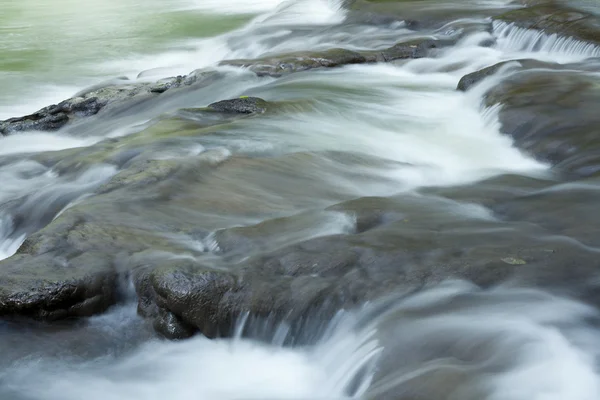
x=357, y=181
x=450, y=341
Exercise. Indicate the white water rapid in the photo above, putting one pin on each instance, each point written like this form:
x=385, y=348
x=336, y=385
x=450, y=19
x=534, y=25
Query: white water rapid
x=355, y=131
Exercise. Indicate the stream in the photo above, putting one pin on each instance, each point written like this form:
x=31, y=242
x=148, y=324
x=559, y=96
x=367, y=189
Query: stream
x=376, y=233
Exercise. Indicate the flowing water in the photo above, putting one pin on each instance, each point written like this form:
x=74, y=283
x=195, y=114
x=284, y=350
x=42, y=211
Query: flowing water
x=397, y=129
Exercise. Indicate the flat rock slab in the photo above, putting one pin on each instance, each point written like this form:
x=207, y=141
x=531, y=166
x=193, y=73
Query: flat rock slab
x=302, y=61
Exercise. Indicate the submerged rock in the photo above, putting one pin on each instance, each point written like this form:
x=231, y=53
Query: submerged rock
x=417, y=14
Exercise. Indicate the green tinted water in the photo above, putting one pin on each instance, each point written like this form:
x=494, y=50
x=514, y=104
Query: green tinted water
x=66, y=42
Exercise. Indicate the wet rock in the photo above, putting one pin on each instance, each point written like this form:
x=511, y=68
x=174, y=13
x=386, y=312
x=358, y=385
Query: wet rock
x=401, y=51
x=297, y=62
x=556, y=18
x=171, y=327
x=114, y=94
x=472, y=79
x=560, y=210
x=371, y=212
x=243, y=105
x=322, y=275
x=51, y=287
x=551, y=115
x=56, y=116
x=69, y=268
x=196, y=295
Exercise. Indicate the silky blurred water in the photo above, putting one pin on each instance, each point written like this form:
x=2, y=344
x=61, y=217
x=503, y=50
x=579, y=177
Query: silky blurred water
x=357, y=131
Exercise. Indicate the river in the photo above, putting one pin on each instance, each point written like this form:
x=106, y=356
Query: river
x=483, y=249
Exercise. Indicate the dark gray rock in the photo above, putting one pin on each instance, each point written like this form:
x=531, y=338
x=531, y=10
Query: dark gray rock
x=243, y=105
x=472, y=79
x=116, y=93
x=171, y=327
x=51, y=287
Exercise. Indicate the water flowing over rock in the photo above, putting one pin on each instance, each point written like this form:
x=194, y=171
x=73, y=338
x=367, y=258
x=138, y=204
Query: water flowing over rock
x=546, y=114
x=91, y=102
x=291, y=63
x=345, y=199
x=556, y=18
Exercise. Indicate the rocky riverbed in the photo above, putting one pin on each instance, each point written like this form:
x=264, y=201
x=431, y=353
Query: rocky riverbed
x=379, y=164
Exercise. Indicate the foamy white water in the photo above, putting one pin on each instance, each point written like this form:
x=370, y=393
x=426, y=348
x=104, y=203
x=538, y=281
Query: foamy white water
x=206, y=369
x=35, y=142
x=542, y=45
x=515, y=344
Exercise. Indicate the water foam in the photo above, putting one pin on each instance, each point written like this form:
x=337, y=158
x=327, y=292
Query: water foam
x=392, y=117
x=206, y=369
x=540, y=44
x=454, y=340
